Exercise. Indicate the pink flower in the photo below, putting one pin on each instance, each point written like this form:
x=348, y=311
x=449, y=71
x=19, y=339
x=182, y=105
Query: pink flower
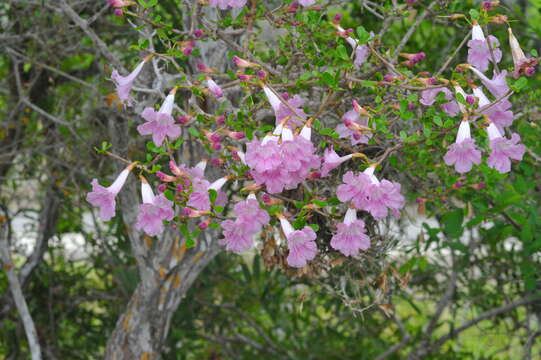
x=160, y=123
x=214, y=88
x=153, y=211
x=104, y=197
x=250, y=214
x=349, y=127
x=353, y=187
x=331, y=160
x=242, y=63
x=463, y=154
x=523, y=65
x=237, y=238
x=124, y=84
x=351, y=235
x=224, y=4
x=362, y=52
x=263, y=157
x=380, y=197
x=306, y=3
x=199, y=198
x=503, y=150
x=297, y=117
x=497, y=85
x=499, y=113
x=301, y=244
x=428, y=97
x=479, y=52
x=120, y=3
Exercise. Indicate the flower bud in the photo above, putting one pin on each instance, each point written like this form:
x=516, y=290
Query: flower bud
x=220, y=120
x=217, y=162
x=337, y=18
x=243, y=63
x=198, y=33
x=162, y=187
x=183, y=120
x=118, y=12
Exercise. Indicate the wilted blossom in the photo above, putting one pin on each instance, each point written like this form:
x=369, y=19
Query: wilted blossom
x=366, y=192
x=479, y=52
x=497, y=85
x=160, y=123
x=503, y=150
x=279, y=165
x=301, y=244
x=499, y=113
x=362, y=52
x=428, y=97
x=238, y=234
x=463, y=154
x=104, y=197
x=224, y=4
x=351, y=235
x=351, y=121
x=307, y=2
x=125, y=83
x=153, y=211
x=214, y=88
x=523, y=65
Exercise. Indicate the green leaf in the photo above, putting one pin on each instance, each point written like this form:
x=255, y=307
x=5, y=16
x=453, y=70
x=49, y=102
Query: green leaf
x=147, y=4
x=452, y=223
x=474, y=14
x=328, y=78
x=342, y=52
x=213, y=194
x=363, y=35
x=520, y=84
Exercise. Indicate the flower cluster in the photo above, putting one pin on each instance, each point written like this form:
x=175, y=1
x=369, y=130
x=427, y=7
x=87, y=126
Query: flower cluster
x=283, y=161
x=250, y=218
x=366, y=192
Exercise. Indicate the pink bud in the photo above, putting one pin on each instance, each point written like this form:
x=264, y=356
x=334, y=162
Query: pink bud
x=220, y=120
x=118, y=12
x=411, y=2
x=388, y=78
x=180, y=188
x=162, y=187
x=266, y=199
x=187, y=51
x=314, y=175
x=243, y=63
x=285, y=96
x=457, y=185
x=293, y=7
x=471, y=99
x=182, y=119
x=261, y=74
x=337, y=18
x=487, y=5
x=217, y=162
x=411, y=106
x=203, y=225
x=237, y=135
x=216, y=146
x=161, y=175
x=198, y=33
x=243, y=77
x=235, y=155
x=187, y=211
x=214, y=137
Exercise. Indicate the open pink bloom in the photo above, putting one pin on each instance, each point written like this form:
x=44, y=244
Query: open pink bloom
x=237, y=238
x=250, y=214
x=153, y=211
x=295, y=118
x=463, y=154
x=307, y=2
x=503, y=150
x=263, y=157
x=119, y=3
x=380, y=197
x=301, y=244
x=331, y=160
x=199, y=198
x=160, y=123
x=428, y=97
x=351, y=235
x=523, y=65
x=354, y=188
x=497, y=85
x=479, y=52
x=104, y=197
x=224, y=4
x=297, y=154
x=125, y=83
x=499, y=114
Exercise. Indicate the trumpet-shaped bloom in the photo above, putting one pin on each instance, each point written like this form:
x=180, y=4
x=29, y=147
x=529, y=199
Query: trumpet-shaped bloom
x=307, y=2
x=523, y=65
x=428, y=97
x=497, y=85
x=263, y=157
x=362, y=52
x=301, y=244
x=479, y=51
x=104, y=197
x=153, y=211
x=214, y=88
x=351, y=235
x=251, y=215
x=331, y=161
x=297, y=117
x=199, y=198
x=503, y=150
x=125, y=83
x=499, y=113
x=160, y=123
x=237, y=238
x=354, y=188
x=463, y=154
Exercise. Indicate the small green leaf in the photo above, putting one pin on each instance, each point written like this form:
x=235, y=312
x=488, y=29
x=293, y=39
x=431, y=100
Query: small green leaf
x=363, y=35
x=342, y=52
x=213, y=194
x=474, y=14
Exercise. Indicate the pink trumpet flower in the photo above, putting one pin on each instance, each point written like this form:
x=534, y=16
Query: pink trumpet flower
x=199, y=198
x=331, y=160
x=301, y=244
x=352, y=124
x=351, y=235
x=214, y=88
x=104, y=197
x=428, y=97
x=503, y=150
x=153, y=211
x=160, y=123
x=463, y=154
x=125, y=83
x=479, y=51
x=362, y=52
x=497, y=85
x=499, y=113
